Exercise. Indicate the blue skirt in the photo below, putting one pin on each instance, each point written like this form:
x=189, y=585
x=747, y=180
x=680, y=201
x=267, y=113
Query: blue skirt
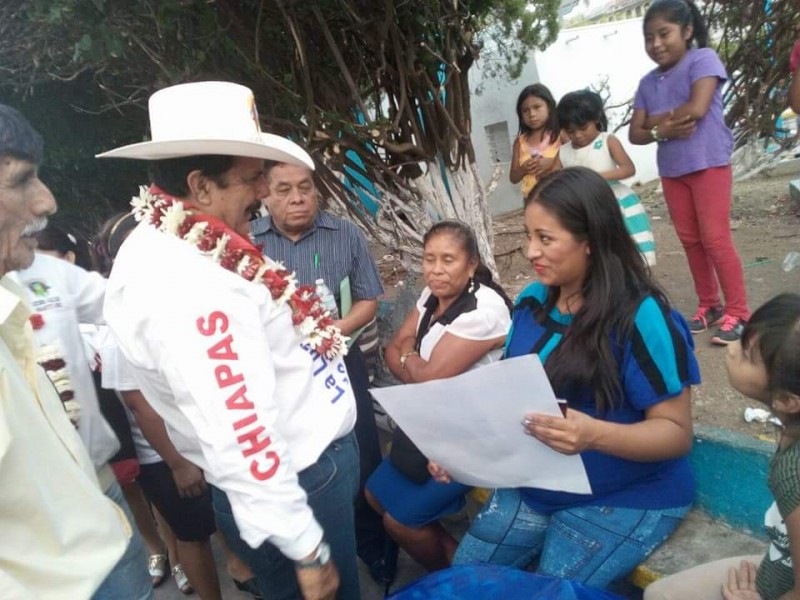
x=411, y=504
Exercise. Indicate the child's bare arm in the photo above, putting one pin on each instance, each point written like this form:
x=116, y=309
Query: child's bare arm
x=696, y=108
x=637, y=133
x=556, y=166
x=547, y=165
x=667, y=128
x=515, y=172
x=624, y=168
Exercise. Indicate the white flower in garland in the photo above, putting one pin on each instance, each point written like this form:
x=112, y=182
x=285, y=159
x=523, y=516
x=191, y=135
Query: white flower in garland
x=173, y=218
x=143, y=204
x=196, y=233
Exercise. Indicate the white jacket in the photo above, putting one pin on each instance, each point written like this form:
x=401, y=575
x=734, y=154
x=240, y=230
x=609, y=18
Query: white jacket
x=224, y=367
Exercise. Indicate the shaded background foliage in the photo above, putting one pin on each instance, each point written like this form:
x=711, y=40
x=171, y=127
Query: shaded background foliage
x=386, y=80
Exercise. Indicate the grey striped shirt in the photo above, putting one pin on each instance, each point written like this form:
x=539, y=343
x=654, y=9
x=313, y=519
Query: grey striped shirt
x=332, y=250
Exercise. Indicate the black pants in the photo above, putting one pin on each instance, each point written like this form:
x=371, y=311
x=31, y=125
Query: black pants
x=370, y=534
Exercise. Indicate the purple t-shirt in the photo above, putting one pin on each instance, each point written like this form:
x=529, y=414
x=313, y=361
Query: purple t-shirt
x=661, y=91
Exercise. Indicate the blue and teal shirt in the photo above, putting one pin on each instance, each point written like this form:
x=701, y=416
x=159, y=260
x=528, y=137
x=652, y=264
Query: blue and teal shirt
x=655, y=364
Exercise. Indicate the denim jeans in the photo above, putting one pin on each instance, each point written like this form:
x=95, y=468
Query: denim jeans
x=371, y=538
x=594, y=545
x=331, y=484
x=129, y=579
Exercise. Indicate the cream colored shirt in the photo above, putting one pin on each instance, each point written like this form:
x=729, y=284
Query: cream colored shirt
x=59, y=535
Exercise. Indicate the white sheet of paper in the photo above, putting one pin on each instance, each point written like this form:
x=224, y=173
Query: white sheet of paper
x=471, y=425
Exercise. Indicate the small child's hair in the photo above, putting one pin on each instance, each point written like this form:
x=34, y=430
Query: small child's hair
x=582, y=107
x=774, y=332
x=54, y=239
x=540, y=91
x=683, y=13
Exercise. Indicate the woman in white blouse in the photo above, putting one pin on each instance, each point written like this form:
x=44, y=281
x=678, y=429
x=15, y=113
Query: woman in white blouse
x=460, y=322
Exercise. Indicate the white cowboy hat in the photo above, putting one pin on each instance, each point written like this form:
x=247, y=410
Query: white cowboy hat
x=209, y=117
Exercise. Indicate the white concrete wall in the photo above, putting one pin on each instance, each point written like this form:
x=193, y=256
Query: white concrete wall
x=580, y=58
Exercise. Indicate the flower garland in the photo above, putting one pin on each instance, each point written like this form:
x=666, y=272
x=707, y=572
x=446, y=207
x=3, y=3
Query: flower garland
x=217, y=241
x=55, y=367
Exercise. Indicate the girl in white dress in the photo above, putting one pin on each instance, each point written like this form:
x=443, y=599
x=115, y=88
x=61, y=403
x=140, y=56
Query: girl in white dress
x=582, y=118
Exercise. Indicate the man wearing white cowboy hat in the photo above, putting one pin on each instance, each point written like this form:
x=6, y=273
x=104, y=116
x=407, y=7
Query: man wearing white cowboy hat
x=243, y=365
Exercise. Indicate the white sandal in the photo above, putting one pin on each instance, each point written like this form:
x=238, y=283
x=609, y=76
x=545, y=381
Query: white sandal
x=181, y=580
x=157, y=567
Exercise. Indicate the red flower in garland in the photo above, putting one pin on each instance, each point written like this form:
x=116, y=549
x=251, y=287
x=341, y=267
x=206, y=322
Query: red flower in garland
x=239, y=256
x=230, y=260
x=276, y=281
x=37, y=321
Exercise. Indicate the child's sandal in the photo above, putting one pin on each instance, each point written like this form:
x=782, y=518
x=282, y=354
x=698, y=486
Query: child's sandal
x=157, y=567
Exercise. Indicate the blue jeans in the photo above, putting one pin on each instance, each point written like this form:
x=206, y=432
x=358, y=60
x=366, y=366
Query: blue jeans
x=331, y=484
x=594, y=545
x=129, y=579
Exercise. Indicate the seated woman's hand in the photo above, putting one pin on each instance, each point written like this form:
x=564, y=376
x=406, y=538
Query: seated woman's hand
x=571, y=434
x=438, y=473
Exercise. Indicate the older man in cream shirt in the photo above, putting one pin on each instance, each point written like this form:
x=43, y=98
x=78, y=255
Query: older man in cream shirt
x=60, y=535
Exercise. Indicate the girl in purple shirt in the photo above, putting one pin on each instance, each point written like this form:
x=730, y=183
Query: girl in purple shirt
x=679, y=106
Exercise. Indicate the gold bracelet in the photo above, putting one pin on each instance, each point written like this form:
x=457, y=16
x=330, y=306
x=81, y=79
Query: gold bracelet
x=404, y=358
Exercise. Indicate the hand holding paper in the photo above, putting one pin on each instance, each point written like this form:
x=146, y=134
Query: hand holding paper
x=570, y=435
x=470, y=425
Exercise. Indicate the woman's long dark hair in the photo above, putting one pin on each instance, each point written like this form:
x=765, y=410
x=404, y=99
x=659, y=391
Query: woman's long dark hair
x=683, y=13
x=617, y=280
x=774, y=329
x=463, y=233
x=540, y=91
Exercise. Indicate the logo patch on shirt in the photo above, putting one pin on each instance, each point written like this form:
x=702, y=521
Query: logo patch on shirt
x=44, y=297
x=39, y=288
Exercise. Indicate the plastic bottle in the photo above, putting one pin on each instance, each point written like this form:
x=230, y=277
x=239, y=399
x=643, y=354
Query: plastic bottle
x=326, y=298
x=791, y=260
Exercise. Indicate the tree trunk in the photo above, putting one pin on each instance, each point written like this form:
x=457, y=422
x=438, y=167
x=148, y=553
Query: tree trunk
x=440, y=193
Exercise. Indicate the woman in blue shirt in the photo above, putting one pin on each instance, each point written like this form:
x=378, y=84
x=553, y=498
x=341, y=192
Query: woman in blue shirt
x=622, y=358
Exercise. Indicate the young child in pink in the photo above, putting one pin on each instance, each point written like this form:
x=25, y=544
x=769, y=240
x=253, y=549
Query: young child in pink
x=535, y=151
x=679, y=106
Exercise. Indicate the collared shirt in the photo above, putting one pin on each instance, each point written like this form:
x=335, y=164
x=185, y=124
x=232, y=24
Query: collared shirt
x=331, y=250
x=60, y=535
x=241, y=394
x=66, y=296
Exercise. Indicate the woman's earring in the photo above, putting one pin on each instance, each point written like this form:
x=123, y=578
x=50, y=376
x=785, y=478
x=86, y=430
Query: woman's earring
x=471, y=285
